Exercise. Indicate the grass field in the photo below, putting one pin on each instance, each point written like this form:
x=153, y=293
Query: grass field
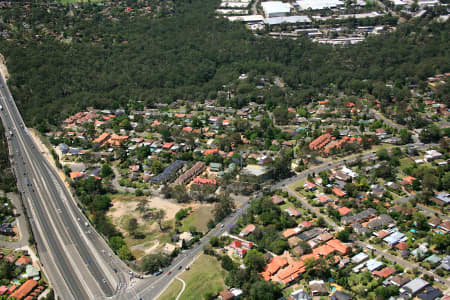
x=199, y=218
x=405, y=163
x=206, y=269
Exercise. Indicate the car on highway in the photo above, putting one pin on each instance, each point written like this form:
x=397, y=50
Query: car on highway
x=170, y=272
x=180, y=267
x=157, y=273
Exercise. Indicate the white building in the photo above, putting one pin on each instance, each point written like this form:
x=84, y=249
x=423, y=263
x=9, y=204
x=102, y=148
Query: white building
x=275, y=9
x=289, y=20
x=318, y=4
x=349, y=172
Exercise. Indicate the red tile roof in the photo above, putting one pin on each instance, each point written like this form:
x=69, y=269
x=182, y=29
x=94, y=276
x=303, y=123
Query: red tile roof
x=210, y=151
x=324, y=250
x=200, y=180
x=339, y=246
x=386, y=272
x=24, y=289
x=338, y=192
x=75, y=175
x=343, y=211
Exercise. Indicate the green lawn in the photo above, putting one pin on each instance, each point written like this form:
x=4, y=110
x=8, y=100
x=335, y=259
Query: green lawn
x=172, y=291
x=199, y=218
x=205, y=276
x=405, y=163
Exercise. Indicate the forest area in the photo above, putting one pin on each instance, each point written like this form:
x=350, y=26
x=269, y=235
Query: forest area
x=192, y=54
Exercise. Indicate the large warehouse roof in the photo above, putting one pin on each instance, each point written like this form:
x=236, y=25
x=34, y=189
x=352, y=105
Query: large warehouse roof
x=290, y=19
x=271, y=7
x=318, y=4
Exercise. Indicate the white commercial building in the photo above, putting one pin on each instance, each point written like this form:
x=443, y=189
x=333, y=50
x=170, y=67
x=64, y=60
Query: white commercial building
x=289, y=19
x=318, y=4
x=275, y=9
x=247, y=19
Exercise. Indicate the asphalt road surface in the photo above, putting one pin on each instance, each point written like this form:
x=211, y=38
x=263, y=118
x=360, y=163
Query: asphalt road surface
x=75, y=259
x=152, y=286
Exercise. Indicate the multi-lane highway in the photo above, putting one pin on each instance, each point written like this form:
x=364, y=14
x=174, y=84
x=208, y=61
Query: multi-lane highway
x=76, y=260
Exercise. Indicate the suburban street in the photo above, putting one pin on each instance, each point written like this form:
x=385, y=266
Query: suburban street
x=401, y=261
x=76, y=260
x=153, y=286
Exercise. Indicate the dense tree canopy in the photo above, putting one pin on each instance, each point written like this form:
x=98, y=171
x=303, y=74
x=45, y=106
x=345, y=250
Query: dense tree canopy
x=192, y=54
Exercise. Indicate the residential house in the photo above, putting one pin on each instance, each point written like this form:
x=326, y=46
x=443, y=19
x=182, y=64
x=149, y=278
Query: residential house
x=291, y=272
x=373, y=264
x=339, y=295
x=277, y=200
x=430, y=293
x=275, y=264
x=318, y=288
x=401, y=246
x=23, y=260
x=201, y=181
x=231, y=294
x=384, y=273
x=75, y=175
x=323, y=199
x=215, y=167
x=24, y=290
x=399, y=280
x=408, y=180
x=290, y=232
x=299, y=295
x=441, y=199
x=168, y=172
x=240, y=248
x=340, y=247
x=431, y=155
x=377, y=190
x=380, y=222
x=292, y=212
x=343, y=211
x=247, y=230
x=359, y=258
x=338, y=192
x=309, y=186
x=395, y=238
x=187, y=176
x=434, y=221
x=415, y=286
x=445, y=264
x=420, y=251
x=434, y=260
